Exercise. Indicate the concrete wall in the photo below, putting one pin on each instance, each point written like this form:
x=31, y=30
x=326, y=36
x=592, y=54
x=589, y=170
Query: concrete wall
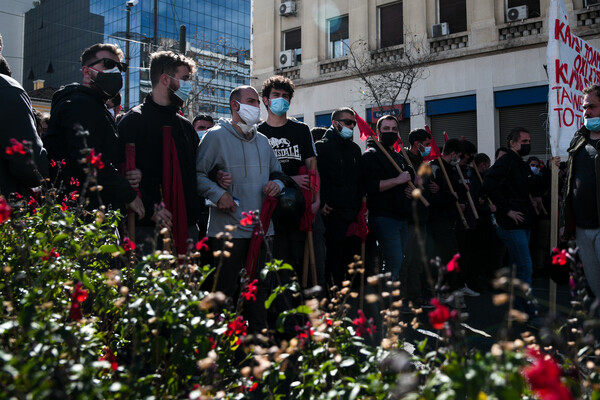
x=12, y=22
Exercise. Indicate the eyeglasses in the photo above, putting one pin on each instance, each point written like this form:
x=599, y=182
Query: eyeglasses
x=110, y=64
x=347, y=121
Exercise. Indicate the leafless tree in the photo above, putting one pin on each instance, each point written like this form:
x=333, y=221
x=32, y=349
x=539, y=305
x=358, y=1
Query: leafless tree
x=388, y=75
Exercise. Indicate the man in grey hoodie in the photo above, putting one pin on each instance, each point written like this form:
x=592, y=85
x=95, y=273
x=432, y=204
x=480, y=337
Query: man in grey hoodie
x=234, y=146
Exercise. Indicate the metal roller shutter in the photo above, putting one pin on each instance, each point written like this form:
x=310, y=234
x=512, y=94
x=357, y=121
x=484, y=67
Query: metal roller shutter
x=533, y=117
x=456, y=125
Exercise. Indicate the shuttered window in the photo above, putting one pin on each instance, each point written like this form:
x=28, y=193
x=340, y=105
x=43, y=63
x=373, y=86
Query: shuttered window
x=533, y=118
x=454, y=12
x=391, y=30
x=456, y=125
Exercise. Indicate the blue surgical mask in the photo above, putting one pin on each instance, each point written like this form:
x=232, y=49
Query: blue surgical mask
x=279, y=106
x=593, y=124
x=535, y=170
x=185, y=87
x=346, y=133
x=426, y=152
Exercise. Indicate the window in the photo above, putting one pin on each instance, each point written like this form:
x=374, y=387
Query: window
x=533, y=6
x=292, y=40
x=454, y=12
x=338, y=36
x=390, y=25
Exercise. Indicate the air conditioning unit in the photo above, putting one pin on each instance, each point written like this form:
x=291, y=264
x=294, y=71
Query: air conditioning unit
x=287, y=58
x=287, y=8
x=589, y=3
x=517, y=13
x=438, y=30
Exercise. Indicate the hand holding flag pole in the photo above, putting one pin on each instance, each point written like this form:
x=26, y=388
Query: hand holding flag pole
x=365, y=132
x=464, y=182
x=435, y=153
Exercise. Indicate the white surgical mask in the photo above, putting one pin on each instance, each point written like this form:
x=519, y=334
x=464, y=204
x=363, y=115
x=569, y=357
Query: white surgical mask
x=249, y=114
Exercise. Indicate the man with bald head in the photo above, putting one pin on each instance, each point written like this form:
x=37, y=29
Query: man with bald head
x=236, y=147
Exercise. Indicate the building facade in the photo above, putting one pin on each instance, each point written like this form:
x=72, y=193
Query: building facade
x=472, y=68
x=12, y=22
x=216, y=34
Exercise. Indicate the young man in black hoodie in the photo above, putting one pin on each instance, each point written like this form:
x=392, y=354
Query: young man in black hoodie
x=83, y=105
x=387, y=202
x=170, y=75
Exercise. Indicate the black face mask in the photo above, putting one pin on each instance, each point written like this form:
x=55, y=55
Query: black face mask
x=109, y=83
x=388, y=138
x=525, y=149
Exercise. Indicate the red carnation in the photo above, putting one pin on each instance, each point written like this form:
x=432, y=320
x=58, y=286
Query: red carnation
x=249, y=218
x=237, y=327
x=16, y=148
x=440, y=315
x=5, y=210
x=453, y=264
x=363, y=326
x=94, y=159
x=560, y=257
x=110, y=357
x=201, y=245
x=250, y=292
x=128, y=244
x=544, y=378
x=79, y=296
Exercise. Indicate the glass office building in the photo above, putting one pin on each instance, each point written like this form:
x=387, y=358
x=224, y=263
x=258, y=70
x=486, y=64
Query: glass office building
x=217, y=36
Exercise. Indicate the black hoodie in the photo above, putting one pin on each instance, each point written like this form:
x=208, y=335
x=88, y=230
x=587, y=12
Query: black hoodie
x=74, y=105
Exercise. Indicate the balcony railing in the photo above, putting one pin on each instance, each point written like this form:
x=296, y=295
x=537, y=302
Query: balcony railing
x=520, y=29
x=449, y=42
x=333, y=65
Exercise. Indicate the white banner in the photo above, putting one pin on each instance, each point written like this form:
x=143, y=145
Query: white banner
x=572, y=65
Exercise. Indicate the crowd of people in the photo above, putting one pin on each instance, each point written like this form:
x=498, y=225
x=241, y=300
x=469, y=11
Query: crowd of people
x=313, y=196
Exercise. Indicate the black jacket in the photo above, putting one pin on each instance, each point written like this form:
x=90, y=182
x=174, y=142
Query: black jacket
x=143, y=125
x=375, y=167
x=17, y=171
x=77, y=104
x=337, y=160
x=443, y=203
x=507, y=184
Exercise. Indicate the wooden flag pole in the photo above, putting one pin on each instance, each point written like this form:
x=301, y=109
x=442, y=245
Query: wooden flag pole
x=553, y=229
x=389, y=157
x=481, y=181
x=460, y=212
x=469, y=197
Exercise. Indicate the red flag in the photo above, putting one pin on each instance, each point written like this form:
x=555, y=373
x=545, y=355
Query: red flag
x=363, y=127
x=398, y=145
x=266, y=212
x=359, y=227
x=435, y=150
x=173, y=191
x=445, y=136
x=308, y=217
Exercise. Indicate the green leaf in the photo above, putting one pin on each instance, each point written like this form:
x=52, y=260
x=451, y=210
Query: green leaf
x=59, y=238
x=304, y=310
x=109, y=248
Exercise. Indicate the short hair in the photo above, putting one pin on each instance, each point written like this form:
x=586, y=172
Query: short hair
x=452, y=146
x=481, y=158
x=203, y=117
x=515, y=134
x=4, y=67
x=468, y=147
x=89, y=54
x=342, y=110
x=532, y=158
x=167, y=62
x=280, y=83
x=236, y=93
x=499, y=149
x=388, y=118
x=592, y=89
x=418, y=135
x=318, y=132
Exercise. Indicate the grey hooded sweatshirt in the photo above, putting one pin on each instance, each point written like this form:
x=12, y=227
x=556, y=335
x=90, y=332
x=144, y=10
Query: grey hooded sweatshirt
x=249, y=161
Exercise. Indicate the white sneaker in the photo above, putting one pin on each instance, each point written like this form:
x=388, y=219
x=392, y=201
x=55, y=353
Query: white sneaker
x=467, y=291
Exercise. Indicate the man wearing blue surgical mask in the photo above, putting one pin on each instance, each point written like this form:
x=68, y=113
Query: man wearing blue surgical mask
x=580, y=217
x=294, y=147
x=338, y=157
x=170, y=75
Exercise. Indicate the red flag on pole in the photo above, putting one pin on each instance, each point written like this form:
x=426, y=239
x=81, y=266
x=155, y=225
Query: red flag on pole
x=435, y=150
x=173, y=191
x=398, y=145
x=445, y=136
x=363, y=127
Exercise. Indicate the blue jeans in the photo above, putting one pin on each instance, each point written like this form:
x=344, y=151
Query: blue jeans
x=391, y=235
x=517, y=245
